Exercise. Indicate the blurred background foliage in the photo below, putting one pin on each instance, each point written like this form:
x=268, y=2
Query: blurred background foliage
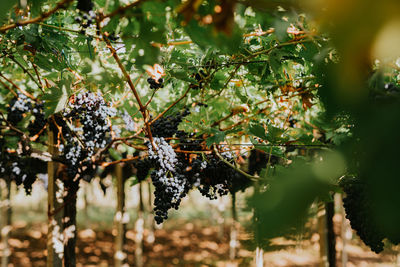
x=349, y=60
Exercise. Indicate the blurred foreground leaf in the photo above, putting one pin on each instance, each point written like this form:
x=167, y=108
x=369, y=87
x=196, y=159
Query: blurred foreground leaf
x=285, y=202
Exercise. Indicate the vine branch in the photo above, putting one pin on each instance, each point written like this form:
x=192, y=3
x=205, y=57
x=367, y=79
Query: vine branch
x=9, y=88
x=121, y=10
x=27, y=72
x=106, y=164
x=170, y=106
x=132, y=86
x=16, y=87
x=251, y=177
x=39, y=18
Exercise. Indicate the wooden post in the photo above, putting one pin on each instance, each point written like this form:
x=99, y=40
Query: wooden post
x=259, y=250
x=139, y=229
x=69, y=222
x=85, y=201
x=233, y=235
x=150, y=218
x=53, y=259
x=323, y=251
x=6, y=223
x=119, y=256
x=220, y=217
x=330, y=232
x=344, y=233
x=259, y=257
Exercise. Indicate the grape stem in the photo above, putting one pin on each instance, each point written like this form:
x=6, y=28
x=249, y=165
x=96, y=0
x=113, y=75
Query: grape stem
x=116, y=104
x=39, y=18
x=123, y=139
x=251, y=177
x=105, y=164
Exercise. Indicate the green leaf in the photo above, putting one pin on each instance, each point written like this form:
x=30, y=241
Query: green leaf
x=206, y=36
x=134, y=181
x=182, y=75
x=5, y=6
x=218, y=81
x=309, y=51
x=275, y=60
x=281, y=30
x=56, y=99
x=35, y=6
x=258, y=130
x=265, y=72
x=12, y=141
x=114, y=154
x=241, y=96
x=377, y=80
x=179, y=57
x=153, y=12
x=285, y=204
x=217, y=138
x=274, y=134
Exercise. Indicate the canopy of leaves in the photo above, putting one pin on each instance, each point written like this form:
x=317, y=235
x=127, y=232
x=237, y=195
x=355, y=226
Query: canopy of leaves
x=260, y=74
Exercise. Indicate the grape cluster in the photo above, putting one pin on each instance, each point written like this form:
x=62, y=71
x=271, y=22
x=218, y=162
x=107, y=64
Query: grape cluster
x=200, y=76
x=18, y=107
x=143, y=168
x=113, y=36
x=17, y=174
x=39, y=122
x=239, y=183
x=258, y=160
x=155, y=84
x=91, y=112
x=214, y=177
x=129, y=123
x=168, y=126
x=175, y=174
x=86, y=14
x=84, y=5
x=200, y=104
x=358, y=209
x=170, y=184
x=22, y=170
x=25, y=171
x=292, y=122
x=6, y=159
x=188, y=142
x=87, y=170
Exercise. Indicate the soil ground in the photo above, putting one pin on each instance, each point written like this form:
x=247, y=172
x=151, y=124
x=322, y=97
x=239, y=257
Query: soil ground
x=183, y=243
x=194, y=236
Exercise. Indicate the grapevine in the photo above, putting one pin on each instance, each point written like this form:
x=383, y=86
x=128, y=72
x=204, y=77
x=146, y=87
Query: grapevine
x=202, y=96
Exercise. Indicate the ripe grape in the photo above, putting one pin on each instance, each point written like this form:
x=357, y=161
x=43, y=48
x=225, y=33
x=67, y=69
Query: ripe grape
x=170, y=185
x=39, y=121
x=359, y=210
x=18, y=107
x=92, y=113
x=155, y=84
x=168, y=126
